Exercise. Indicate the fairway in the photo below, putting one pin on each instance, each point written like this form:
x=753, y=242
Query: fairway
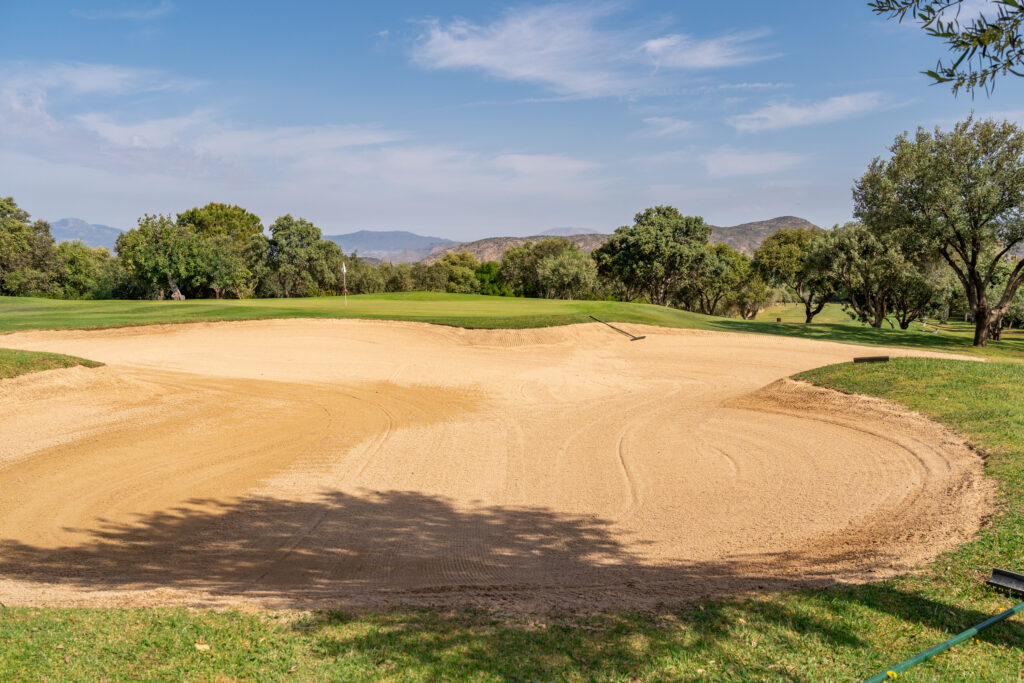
x=354, y=463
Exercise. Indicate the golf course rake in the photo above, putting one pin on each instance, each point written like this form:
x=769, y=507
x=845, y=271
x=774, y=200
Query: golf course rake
x=632, y=337
x=1001, y=578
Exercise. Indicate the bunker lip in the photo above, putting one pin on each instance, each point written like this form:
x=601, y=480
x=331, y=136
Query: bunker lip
x=349, y=463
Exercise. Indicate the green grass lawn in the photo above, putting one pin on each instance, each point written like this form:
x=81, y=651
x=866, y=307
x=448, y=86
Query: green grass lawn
x=14, y=363
x=840, y=633
x=464, y=310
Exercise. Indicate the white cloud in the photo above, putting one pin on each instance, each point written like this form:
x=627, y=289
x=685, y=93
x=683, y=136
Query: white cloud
x=664, y=126
x=784, y=115
x=77, y=78
x=563, y=48
x=163, y=8
x=727, y=162
x=685, y=52
x=341, y=176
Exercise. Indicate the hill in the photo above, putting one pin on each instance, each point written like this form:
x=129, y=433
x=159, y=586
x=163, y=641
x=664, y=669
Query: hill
x=68, y=229
x=568, y=232
x=747, y=237
x=491, y=248
x=397, y=246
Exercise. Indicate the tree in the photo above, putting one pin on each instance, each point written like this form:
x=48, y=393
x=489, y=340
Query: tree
x=751, y=293
x=488, y=275
x=790, y=257
x=460, y=270
x=984, y=45
x=1015, y=315
x=224, y=263
x=397, y=277
x=29, y=263
x=570, y=274
x=223, y=219
x=864, y=268
x=655, y=253
x=430, y=278
x=85, y=272
x=228, y=232
x=712, y=280
x=300, y=263
x=519, y=265
x=959, y=194
x=161, y=255
x=914, y=289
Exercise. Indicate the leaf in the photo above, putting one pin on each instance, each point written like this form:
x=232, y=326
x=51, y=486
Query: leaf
x=202, y=647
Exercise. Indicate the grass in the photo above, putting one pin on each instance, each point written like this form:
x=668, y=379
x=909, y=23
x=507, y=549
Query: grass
x=463, y=310
x=14, y=363
x=840, y=633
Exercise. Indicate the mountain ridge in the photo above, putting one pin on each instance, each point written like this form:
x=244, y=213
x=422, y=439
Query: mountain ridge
x=745, y=237
x=92, y=234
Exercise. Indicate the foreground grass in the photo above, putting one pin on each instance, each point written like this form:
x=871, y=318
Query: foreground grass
x=14, y=363
x=463, y=310
x=842, y=633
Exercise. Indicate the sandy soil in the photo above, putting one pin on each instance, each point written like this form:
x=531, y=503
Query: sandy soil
x=302, y=463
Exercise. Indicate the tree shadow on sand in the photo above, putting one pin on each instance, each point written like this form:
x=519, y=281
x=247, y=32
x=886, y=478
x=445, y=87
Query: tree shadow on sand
x=398, y=549
x=607, y=613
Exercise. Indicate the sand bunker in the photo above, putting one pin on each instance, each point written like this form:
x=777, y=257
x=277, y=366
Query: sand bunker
x=303, y=463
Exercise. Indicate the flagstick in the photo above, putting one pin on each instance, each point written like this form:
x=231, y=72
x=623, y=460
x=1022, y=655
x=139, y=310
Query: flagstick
x=344, y=281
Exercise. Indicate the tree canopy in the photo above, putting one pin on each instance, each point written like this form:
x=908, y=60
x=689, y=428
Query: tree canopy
x=959, y=194
x=29, y=263
x=791, y=257
x=984, y=46
x=654, y=254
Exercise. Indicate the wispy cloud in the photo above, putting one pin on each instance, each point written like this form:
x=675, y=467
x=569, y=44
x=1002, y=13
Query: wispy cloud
x=79, y=78
x=785, y=115
x=727, y=162
x=566, y=49
x=163, y=8
x=664, y=126
x=338, y=174
x=679, y=51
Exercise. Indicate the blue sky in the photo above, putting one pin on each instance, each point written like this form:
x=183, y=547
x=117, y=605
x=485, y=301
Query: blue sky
x=460, y=119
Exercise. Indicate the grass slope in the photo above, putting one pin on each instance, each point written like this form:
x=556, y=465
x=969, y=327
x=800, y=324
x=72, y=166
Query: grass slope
x=843, y=633
x=463, y=310
x=14, y=363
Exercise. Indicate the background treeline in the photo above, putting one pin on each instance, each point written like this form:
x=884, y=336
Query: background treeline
x=223, y=251
x=940, y=222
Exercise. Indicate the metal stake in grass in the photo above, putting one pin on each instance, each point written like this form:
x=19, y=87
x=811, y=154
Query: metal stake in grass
x=1001, y=578
x=631, y=337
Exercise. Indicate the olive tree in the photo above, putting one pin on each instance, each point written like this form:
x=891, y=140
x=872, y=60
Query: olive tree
x=984, y=45
x=959, y=194
x=792, y=258
x=29, y=263
x=654, y=254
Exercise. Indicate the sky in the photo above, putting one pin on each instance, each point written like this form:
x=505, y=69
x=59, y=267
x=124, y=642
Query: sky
x=461, y=119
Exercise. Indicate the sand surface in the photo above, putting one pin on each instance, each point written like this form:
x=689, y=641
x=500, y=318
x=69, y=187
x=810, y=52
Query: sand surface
x=305, y=463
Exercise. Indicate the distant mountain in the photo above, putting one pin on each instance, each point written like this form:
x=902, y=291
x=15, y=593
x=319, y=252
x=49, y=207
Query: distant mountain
x=491, y=248
x=748, y=236
x=68, y=229
x=568, y=232
x=397, y=246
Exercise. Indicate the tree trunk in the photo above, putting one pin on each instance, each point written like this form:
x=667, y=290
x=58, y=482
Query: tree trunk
x=981, y=323
x=995, y=329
